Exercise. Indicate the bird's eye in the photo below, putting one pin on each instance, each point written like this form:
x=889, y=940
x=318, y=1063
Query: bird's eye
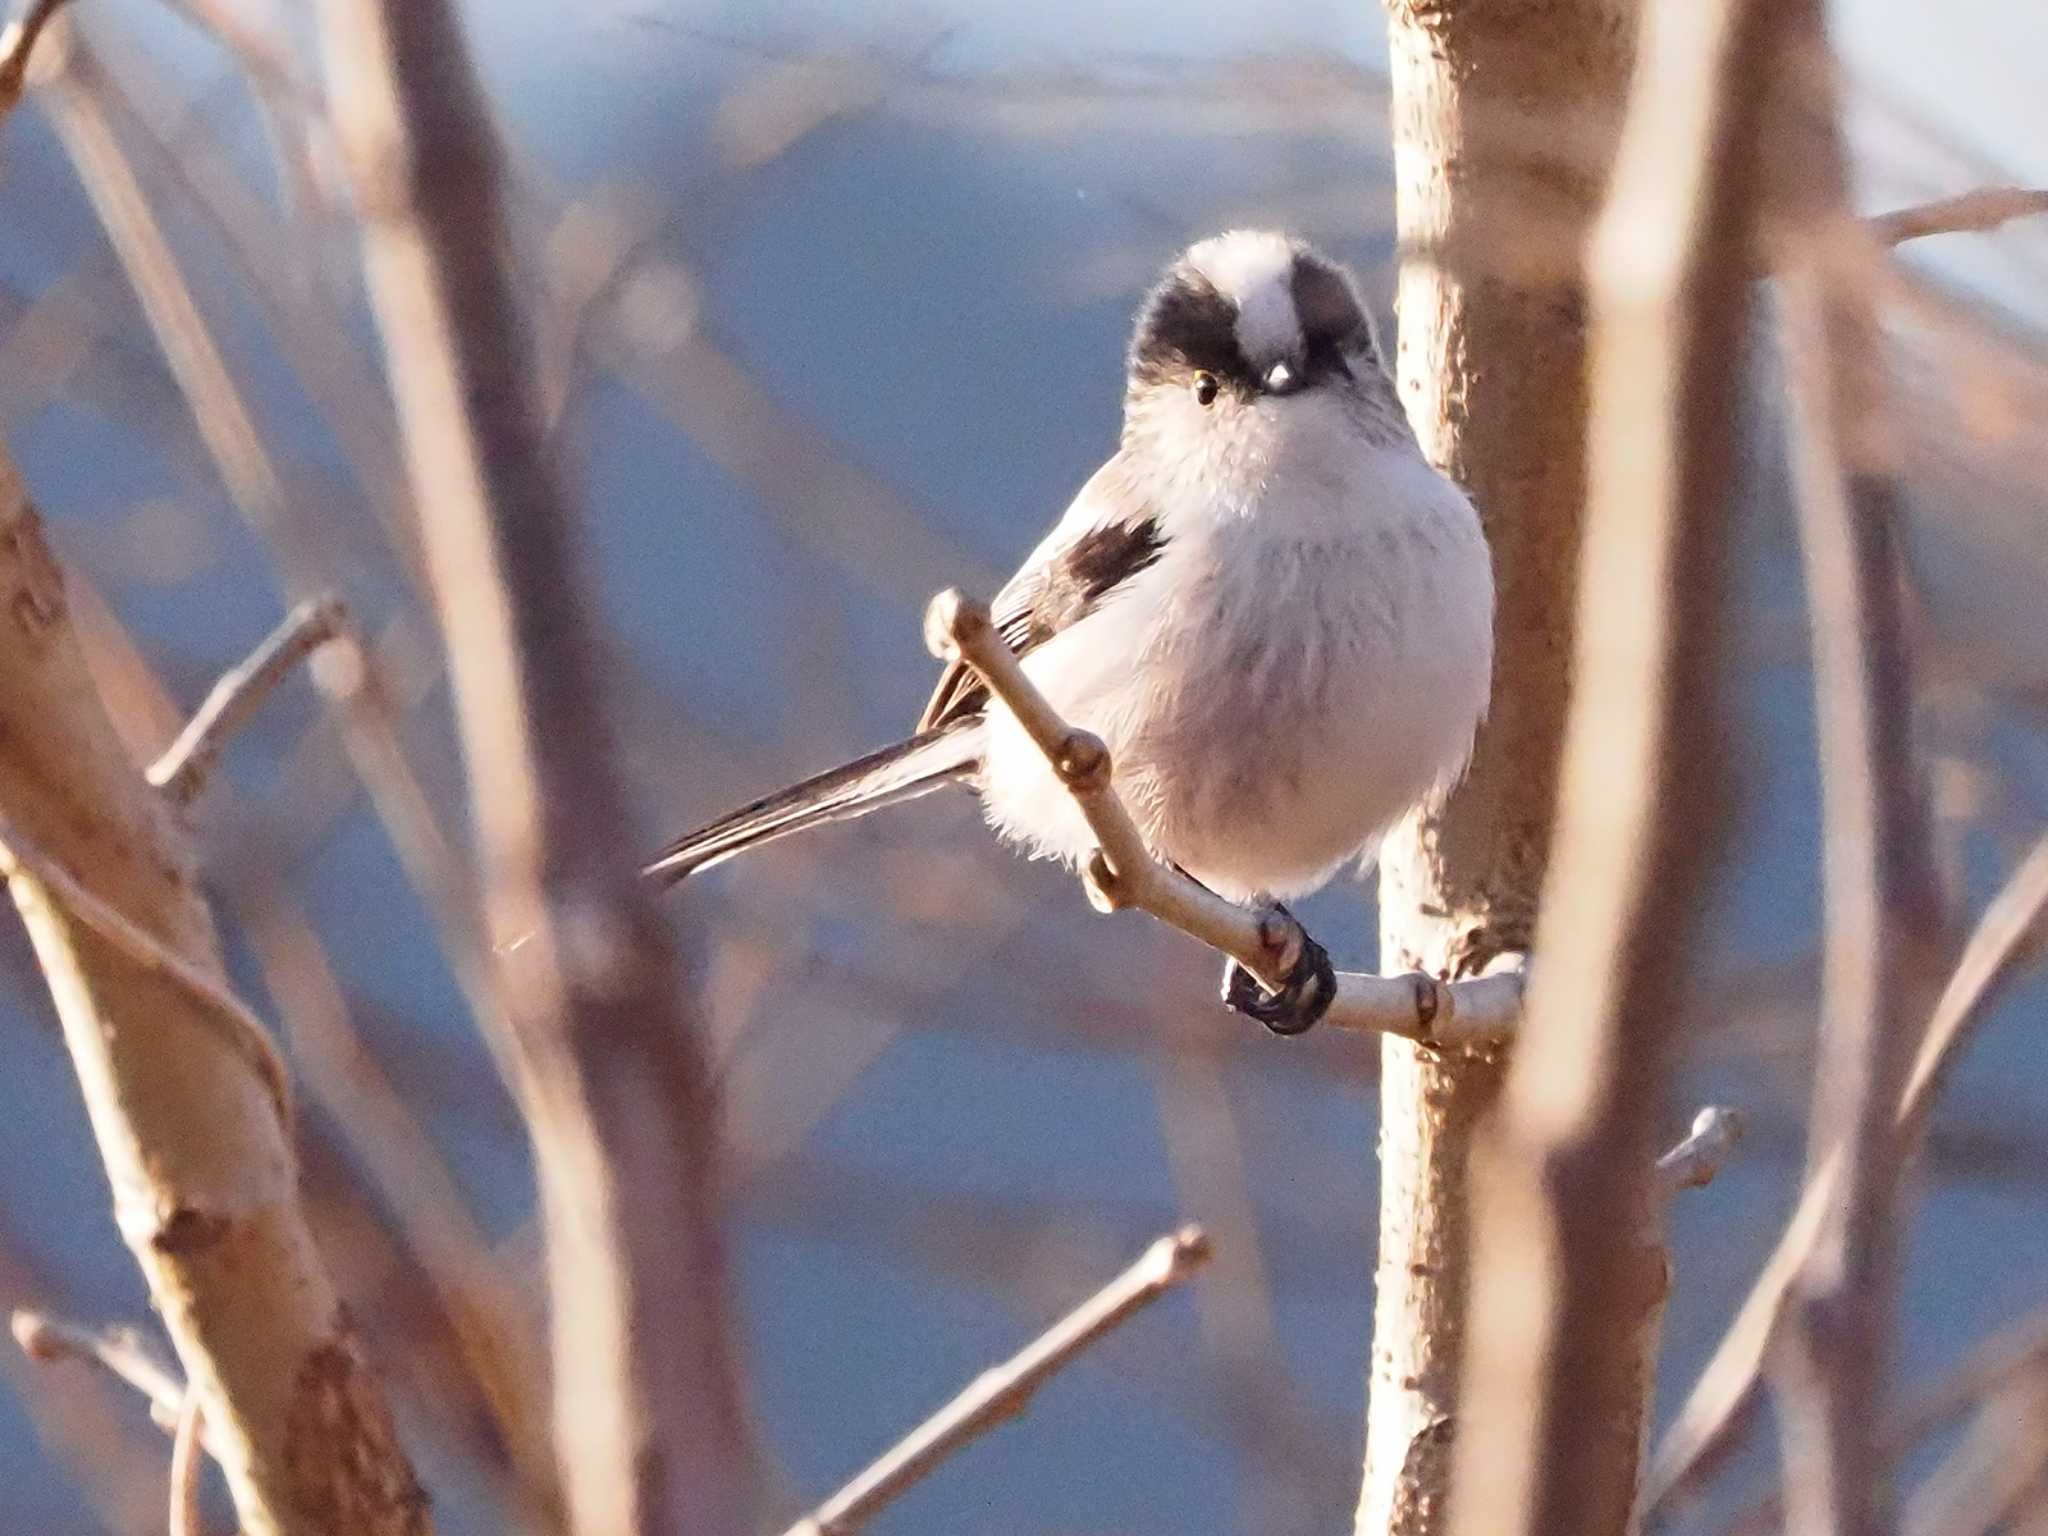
x=1205, y=388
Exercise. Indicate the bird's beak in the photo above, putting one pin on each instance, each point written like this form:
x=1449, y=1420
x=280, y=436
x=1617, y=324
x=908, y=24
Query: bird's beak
x=1283, y=378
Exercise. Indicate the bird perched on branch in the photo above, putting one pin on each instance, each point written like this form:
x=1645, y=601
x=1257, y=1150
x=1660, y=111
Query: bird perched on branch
x=1269, y=606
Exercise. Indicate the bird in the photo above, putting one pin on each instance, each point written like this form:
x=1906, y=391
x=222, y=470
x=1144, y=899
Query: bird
x=1272, y=609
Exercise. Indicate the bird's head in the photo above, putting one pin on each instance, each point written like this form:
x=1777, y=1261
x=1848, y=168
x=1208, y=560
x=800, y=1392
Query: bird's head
x=1247, y=334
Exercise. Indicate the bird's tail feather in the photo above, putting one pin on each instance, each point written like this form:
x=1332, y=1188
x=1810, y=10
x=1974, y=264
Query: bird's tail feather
x=902, y=772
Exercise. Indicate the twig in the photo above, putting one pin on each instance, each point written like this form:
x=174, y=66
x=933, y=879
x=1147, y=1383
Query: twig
x=1698, y=1160
x=17, y=46
x=223, y=1010
x=181, y=772
x=121, y=1352
x=1125, y=874
x=187, y=1462
x=650, y=1431
x=1002, y=1392
x=2018, y=1347
x=2009, y=933
x=1972, y=212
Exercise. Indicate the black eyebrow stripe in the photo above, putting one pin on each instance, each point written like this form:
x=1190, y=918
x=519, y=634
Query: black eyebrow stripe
x=1325, y=305
x=1186, y=324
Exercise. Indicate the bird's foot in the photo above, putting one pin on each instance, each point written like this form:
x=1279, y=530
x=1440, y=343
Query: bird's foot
x=1304, y=996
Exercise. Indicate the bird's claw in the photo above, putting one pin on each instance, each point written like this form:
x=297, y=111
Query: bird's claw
x=1304, y=997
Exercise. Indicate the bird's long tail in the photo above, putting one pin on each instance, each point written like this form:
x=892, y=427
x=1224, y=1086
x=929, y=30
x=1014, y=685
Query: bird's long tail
x=911, y=768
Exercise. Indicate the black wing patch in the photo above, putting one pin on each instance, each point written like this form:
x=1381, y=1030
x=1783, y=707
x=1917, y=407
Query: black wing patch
x=1038, y=603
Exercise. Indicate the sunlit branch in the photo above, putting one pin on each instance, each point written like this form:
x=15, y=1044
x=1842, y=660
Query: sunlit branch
x=1267, y=942
x=1003, y=1391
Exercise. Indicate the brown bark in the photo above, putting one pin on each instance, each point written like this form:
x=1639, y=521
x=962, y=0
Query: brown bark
x=650, y=1431
x=184, y=1100
x=1503, y=121
x=1569, y=1271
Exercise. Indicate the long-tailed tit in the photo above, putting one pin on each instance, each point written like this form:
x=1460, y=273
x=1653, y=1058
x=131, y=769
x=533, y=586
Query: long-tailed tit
x=1274, y=612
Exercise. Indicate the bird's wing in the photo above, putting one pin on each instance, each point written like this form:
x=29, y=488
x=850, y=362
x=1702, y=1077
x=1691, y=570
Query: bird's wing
x=1108, y=534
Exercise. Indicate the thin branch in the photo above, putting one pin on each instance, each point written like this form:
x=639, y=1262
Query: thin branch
x=1125, y=874
x=222, y=1010
x=2007, y=937
x=1972, y=212
x=1002, y=1392
x=187, y=1463
x=121, y=1352
x=17, y=47
x=181, y=772
x=1698, y=1160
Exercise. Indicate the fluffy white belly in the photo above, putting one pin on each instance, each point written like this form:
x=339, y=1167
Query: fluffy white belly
x=1273, y=703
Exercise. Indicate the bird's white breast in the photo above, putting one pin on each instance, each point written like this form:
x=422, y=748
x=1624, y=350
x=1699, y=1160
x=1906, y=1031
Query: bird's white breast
x=1307, y=660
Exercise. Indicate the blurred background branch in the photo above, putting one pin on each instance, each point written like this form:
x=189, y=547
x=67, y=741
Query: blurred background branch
x=1885, y=924
x=649, y=1428
x=1570, y=1270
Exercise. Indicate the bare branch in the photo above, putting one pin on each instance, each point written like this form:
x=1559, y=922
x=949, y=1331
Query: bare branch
x=120, y=1351
x=1125, y=874
x=1698, y=1160
x=650, y=1433
x=2007, y=937
x=187, y=1463
x=1569, y=1270
x=221, y=1009
x=181, y=772
x=17, y=46
x=1972, y=212
x=181, y=1086
x=1002, y=1392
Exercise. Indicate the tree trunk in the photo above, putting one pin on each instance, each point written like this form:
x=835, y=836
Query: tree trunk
x=1504, y=121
